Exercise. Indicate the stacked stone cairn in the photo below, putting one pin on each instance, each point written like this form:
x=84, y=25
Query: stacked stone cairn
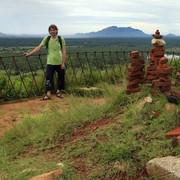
x=135, y=73
x=163, y=83
x=159, y=72
x=155, y=55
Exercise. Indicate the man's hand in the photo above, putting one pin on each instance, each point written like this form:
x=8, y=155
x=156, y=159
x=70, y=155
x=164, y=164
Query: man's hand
x=26, y=54
x=62, y=66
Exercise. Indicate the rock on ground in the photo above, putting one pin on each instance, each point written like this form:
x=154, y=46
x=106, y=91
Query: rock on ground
x=166, y=168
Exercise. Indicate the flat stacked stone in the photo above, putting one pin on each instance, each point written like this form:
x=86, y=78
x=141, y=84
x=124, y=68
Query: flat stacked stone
x=163, y=83
x=135, y=73
x=155, y=55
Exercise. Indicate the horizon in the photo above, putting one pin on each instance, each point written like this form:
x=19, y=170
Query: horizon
x=68, y=35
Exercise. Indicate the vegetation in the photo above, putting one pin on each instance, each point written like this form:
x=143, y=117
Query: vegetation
x=121, y=147
x=112, y=140
x=89, y=62
x=14, y=46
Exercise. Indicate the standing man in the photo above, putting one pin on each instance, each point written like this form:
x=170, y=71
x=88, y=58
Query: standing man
x=56, y=58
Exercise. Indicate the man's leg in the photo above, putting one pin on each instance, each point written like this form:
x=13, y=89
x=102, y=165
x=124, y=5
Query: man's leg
x=61, y=79
x=50, y=69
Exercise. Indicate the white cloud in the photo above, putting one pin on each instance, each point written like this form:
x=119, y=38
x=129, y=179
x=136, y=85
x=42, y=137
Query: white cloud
x=72, y=16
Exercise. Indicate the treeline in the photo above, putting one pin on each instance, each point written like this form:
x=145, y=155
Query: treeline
x=92, y=44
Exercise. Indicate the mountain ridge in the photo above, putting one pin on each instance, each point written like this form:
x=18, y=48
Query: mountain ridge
x=114, y=31
x=111, y=31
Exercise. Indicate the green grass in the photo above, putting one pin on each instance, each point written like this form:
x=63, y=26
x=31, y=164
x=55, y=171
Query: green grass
x=37, y=144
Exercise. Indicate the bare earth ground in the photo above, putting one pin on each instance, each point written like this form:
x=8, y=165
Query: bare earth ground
x=11, y=113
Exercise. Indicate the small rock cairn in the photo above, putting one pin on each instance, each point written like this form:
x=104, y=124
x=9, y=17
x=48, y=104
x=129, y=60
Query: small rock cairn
x=163, y=83
x=135, y=73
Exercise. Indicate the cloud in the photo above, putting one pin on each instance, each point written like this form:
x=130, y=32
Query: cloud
x=72, y=16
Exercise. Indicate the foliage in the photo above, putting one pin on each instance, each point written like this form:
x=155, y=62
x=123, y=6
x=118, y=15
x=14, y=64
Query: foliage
x=90, y=61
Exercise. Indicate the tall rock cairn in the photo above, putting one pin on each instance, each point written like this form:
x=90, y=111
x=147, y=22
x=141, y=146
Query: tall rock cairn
x=159, y=72
x=155, y=55
x=135, y=73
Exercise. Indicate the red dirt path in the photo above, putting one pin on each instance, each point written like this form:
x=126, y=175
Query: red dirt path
x=13, y=112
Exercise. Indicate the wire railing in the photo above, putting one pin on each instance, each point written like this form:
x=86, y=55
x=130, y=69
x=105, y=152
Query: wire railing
x=23, y=77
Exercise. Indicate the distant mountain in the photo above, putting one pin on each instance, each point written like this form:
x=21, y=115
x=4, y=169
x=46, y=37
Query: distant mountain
x=170, y=35
x=2, y=34
x=114, y=31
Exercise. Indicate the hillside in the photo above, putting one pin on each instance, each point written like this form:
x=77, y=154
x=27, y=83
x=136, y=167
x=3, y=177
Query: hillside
x=111, y=137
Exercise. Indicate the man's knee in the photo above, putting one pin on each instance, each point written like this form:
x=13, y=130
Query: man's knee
x=48, y=84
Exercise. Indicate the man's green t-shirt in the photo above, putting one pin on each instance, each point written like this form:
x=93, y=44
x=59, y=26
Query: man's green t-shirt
x=54, y=55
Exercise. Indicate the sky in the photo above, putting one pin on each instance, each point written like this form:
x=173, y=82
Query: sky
x=82, y=16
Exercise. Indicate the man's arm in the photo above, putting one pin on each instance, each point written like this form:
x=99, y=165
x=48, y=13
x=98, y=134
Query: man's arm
x=63, y=57
x=36, y=49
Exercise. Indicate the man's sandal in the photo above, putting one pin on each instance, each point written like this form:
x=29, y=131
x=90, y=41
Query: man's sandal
x=46, y=97
x=59, y=95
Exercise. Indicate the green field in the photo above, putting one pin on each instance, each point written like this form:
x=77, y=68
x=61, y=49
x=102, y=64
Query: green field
x=16, y=46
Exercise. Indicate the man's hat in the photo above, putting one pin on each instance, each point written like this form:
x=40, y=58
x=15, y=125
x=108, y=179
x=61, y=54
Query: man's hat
x=157, y=35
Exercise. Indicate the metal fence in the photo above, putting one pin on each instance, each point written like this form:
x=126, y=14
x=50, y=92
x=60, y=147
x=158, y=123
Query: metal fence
x=22, y=77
